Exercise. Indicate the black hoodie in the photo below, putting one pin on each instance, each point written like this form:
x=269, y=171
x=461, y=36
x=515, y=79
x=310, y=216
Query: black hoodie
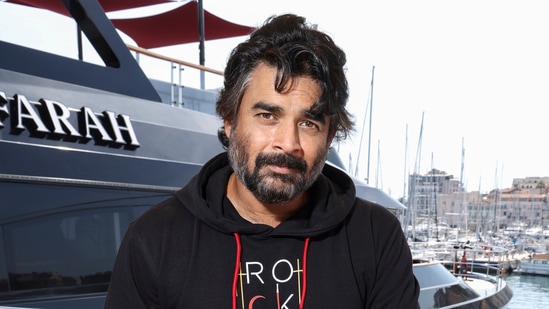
x=195, y=251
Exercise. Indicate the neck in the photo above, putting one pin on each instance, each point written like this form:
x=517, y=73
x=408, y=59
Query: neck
x=254, y=211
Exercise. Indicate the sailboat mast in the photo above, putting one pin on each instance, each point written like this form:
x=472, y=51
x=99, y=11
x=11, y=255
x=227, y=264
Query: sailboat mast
x=370, y=126
x=462, y=213
x=369, y=132
x=404, y=193
x=411, y=213
x=405, y=221
x=378, y=167
x=478, y=228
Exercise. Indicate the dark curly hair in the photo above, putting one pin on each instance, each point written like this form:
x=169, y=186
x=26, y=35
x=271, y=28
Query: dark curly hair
x=294, y=48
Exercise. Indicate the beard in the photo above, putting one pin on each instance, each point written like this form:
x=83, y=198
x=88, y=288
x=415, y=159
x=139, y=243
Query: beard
x=267, y=186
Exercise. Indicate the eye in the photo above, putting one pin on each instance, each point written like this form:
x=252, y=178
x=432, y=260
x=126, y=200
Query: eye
x=266, y=116
x=310, y=124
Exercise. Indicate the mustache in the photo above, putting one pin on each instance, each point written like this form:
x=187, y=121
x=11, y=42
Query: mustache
x=281, y=159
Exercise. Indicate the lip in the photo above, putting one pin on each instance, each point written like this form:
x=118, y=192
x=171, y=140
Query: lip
x=280, y=169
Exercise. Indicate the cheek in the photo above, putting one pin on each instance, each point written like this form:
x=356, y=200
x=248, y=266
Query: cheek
x=258, y=139
x=247, y=146
x=314, y=151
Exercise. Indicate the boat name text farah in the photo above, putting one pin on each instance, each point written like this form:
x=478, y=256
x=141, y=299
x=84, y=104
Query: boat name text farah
x=54, y=119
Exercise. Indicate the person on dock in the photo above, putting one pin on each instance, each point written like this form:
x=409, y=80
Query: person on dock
x=267, y=224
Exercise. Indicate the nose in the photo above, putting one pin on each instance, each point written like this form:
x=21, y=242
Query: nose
x=286, y=138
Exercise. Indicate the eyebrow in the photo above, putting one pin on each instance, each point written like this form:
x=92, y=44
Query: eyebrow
x=267, y=107
x=315, y=116
x=276, y=109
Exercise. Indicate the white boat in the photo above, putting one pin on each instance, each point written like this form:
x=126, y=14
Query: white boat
x=442, y=289
x=448, y=279
x=537, y=264
x=452, y=283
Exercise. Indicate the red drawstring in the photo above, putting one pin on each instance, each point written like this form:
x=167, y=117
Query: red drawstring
x=304, y=292
x=237, y=270
x=237, y=267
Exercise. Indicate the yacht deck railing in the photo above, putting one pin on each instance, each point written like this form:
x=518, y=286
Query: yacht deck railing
x=176, y=89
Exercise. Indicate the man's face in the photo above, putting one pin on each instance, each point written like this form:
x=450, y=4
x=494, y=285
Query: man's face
x=277, y=147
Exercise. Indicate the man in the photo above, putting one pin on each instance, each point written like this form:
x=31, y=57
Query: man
x=267, y=224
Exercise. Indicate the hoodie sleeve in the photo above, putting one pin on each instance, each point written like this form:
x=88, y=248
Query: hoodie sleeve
x=126, y=289
x=385, y=260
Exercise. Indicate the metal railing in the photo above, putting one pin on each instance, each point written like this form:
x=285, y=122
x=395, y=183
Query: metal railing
x=480, y=260
x=176, y=89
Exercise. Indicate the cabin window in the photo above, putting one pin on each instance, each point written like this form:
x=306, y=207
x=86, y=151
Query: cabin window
x=63, y=250
x=70, y=248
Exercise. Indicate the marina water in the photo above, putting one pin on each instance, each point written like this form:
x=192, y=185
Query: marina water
x=528, y=291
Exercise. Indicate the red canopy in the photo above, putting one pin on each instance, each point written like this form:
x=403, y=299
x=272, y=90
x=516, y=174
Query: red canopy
x=107, y=5
x=173, y=27
x=178, y=26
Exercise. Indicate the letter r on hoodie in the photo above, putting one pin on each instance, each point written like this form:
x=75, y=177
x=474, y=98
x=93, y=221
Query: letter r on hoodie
x=254, y=269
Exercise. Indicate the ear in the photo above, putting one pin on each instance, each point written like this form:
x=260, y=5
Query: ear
x=227, y=125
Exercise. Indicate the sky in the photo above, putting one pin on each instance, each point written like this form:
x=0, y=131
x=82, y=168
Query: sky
x=459, y=86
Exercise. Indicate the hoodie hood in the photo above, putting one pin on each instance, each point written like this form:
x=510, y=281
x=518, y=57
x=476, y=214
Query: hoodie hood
x=332, y=198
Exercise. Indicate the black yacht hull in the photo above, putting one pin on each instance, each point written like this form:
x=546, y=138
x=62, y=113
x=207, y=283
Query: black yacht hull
x=84, y=149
